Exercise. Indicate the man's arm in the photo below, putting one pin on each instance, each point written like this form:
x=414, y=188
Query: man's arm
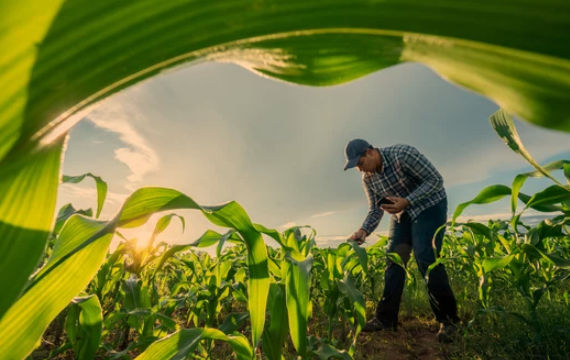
x=374, y=213
x=418, y=166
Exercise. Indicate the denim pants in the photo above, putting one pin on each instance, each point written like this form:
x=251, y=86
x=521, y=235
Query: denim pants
x=417, y=235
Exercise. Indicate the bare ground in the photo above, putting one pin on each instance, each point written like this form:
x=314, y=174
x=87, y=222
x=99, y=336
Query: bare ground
x=415, y=339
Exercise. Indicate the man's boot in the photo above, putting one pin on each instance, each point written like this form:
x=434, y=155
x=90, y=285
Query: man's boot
x=446, y=333
x=376, y=325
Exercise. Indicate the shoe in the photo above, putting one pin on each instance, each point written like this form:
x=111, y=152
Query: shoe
x=375, y=325
x=446, y=333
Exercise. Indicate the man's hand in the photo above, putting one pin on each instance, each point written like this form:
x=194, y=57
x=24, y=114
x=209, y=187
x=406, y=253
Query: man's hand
x=399, y=204
x=359, y=236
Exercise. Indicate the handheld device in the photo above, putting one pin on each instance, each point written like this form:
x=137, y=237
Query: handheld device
x=385, y=201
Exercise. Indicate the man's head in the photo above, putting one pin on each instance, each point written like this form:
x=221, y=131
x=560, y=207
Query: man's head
x=360, y=154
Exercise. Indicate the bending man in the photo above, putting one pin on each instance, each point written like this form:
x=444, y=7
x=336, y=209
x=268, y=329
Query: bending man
x=400, y=180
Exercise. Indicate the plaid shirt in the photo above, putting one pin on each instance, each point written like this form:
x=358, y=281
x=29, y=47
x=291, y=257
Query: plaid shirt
x=406, y=173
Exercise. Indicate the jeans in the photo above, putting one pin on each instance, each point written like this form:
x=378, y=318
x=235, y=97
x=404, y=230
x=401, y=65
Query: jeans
x=417, y=235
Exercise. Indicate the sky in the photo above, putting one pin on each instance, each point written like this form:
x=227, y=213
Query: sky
x=218, y=132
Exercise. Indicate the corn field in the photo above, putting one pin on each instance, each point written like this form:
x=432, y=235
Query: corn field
x=162, y=301
x=65, y=295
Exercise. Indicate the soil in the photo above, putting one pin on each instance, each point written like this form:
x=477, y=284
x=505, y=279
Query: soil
x=415, y=339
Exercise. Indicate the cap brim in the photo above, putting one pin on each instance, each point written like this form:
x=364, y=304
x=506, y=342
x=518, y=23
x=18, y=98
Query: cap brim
x=351, y=163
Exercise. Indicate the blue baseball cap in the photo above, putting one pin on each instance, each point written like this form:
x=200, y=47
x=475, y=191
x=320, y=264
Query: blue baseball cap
x=353, y=151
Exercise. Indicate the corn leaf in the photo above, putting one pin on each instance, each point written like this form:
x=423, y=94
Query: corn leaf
x=552, y=195
x=27, y=205
x=484, y=230
x=327, y=352
x=438, y=261
x=233, y=322
x=348, y=287
x=91, y=323
x=551, y=258
x=504, y=126
x=163, y=223
x=298, y=285
x=181, y=344
x=102, y=188
x=521, y=178
x=51, y=291
x=479, y=44
x=275, y=334
x=362, y=255
x=489, y=194
x=538, y=206
x=134, y=299
x=65, y=213
x=496, y=263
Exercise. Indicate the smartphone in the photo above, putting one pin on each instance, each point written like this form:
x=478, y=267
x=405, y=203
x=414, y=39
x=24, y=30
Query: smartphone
x=384, y=201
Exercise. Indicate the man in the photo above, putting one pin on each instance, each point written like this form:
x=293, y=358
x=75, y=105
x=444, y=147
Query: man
x=406, y=178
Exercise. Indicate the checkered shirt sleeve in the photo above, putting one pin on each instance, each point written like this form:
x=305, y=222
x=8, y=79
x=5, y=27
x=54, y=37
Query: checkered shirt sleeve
x=374, y=213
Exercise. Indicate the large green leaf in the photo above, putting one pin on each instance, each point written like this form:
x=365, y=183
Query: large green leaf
x=51, y=291
x=484, y=45
x=27, y=204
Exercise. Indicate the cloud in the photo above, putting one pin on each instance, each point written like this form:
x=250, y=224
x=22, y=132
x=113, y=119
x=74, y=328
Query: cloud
x=288, y=225
x=531, y=217
x=323, y=214
x=139, y=157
